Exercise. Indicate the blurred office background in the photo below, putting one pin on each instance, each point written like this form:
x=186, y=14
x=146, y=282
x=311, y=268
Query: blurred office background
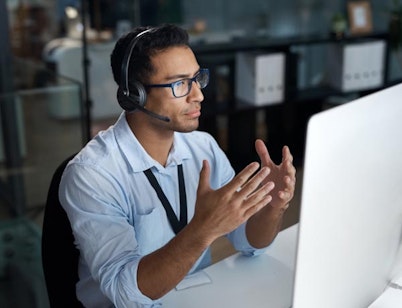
x=56, y=91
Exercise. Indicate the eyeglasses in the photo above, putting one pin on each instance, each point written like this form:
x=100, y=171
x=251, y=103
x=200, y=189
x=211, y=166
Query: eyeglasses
x=182, y=87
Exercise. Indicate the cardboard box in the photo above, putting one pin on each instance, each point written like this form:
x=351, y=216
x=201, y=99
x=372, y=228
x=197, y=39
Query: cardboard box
x=260, y=78
x=356, y=66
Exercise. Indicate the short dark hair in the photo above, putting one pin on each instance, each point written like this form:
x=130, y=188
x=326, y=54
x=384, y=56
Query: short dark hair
x=140, y=66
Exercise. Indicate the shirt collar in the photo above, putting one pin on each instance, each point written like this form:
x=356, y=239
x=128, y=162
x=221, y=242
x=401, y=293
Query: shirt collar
x=137, y=158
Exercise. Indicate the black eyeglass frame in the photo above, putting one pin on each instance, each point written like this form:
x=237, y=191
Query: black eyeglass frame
x=190, y=83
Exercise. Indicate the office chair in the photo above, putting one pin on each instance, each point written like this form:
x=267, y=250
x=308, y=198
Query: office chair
x=59, y=254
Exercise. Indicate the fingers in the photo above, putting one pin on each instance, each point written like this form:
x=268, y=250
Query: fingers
x=287, y=163
x=262, y=152
x=286, y=155
x=242, y=177
x=253, y=184
x=265, y=158
x=289, y=169
x=262, y=195
x=226, y=208
x=286, y=194
x=246, y=188
x=254, y=197
x=258, y=200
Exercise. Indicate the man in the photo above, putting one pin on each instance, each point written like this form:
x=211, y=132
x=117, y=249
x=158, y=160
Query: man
x=148, y=196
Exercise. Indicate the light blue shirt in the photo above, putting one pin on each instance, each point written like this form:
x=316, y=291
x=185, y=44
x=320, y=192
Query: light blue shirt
x=117, y=217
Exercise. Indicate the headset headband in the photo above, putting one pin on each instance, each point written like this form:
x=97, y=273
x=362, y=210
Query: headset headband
x=126, y=62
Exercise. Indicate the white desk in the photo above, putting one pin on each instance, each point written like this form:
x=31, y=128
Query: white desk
x=239, y=281
x=264, y=281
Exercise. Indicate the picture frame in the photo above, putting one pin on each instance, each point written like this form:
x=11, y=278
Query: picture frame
x=360, y=19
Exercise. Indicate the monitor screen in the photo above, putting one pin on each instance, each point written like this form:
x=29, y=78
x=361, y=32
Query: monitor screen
x=351, y=205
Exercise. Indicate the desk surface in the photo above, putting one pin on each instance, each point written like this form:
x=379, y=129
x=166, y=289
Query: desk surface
x=239, y=281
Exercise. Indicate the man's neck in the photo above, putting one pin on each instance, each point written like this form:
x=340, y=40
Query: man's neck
x=157, y=143
x=158, y=149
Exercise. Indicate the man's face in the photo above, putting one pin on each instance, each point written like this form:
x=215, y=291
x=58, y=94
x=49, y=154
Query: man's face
x=171, y=65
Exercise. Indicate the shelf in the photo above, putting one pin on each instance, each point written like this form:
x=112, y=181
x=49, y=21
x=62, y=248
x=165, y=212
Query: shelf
x=244, y=43
x=285, y=122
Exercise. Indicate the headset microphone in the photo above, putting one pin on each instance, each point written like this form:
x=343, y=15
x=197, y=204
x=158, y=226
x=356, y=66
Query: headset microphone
x=130, y=103
x=153, y=114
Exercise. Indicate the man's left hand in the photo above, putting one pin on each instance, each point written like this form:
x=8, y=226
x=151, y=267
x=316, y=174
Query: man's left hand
x=283, y=175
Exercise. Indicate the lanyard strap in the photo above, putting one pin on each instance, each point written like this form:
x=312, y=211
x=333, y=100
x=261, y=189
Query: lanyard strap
x=176, y=224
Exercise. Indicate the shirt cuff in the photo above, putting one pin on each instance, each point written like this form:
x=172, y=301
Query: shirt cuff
x=239, y=241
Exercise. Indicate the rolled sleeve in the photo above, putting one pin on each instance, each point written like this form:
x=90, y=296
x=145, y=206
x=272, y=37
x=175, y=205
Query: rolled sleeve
x=239, y=241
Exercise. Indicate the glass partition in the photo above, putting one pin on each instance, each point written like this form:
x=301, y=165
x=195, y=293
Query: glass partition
x=41, y=124
x=45, y=125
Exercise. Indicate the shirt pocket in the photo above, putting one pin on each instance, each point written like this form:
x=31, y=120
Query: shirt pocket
x=151, y=230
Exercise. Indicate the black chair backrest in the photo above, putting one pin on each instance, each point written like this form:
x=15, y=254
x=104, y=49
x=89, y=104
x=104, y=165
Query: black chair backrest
x=59, y=254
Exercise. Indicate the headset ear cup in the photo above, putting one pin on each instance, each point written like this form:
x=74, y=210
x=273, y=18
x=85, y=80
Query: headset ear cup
x=124, y=100
x=137, y=97
x=140, y=93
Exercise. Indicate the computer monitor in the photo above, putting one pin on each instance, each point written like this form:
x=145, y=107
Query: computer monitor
x=351, y=205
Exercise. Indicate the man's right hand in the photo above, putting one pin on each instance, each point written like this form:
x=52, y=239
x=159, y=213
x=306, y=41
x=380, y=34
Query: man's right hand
x=219, y=212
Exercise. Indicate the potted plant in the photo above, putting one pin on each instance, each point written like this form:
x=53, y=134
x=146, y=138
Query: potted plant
x=338, y=25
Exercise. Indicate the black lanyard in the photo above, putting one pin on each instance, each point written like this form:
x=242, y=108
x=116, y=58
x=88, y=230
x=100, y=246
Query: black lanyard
x=176, y=224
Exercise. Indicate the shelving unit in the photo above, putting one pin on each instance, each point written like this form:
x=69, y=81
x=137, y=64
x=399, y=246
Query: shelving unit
x=236, y=124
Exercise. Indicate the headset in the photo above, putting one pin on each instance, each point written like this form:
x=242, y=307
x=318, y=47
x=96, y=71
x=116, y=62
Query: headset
x=132, y=96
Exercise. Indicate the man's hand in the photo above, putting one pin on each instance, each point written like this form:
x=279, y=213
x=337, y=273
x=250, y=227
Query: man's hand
x=220, y=211
x=283, y=175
